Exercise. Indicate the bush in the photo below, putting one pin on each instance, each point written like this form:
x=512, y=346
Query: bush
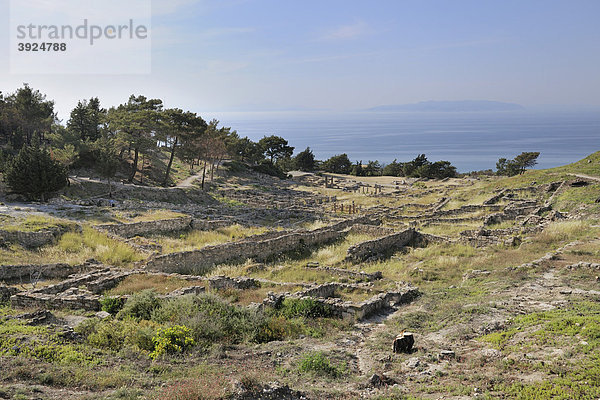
x=309, y=308
x=34, y=173
x=112, y=305
x=268, y=168
x=210, y=318
x=115, y=334
x=318, y=363
x=235, y=166
x=140, y=306
x=109, y=335
x=171, y=340
x=274, y=328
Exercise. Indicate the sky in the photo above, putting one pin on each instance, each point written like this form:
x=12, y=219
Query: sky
x=268, y=55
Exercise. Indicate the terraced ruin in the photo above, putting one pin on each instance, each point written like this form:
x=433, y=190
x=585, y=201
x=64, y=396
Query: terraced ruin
x=298, y=289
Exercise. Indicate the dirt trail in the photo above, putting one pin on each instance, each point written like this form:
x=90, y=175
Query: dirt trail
x=189, y=182
x=584, y=176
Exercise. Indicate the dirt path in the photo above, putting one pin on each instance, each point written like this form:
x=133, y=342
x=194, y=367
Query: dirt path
x=583, y=176
x=189, y=182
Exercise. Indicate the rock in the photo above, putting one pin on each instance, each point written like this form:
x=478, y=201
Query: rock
x=491, y=353
x=379, y=380
x=40, y=317
x=271, y=391
x=476, y=273
x=413, y=362
x=6, y=292
x=446, y=355
x=102, y=314
x=68, y=333
x=403, y=343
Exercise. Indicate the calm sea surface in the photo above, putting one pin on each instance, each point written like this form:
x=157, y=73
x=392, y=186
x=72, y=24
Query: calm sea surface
x=471, y=141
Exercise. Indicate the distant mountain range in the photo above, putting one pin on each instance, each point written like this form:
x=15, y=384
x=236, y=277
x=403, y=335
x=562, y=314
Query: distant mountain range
x=451, y=106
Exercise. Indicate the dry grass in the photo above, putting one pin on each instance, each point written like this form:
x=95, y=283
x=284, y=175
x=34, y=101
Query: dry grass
x=160, y=284
x=197, y=239
x=34, y=223
x=74, y=248
x=149, y=215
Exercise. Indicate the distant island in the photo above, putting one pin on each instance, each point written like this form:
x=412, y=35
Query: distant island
x=451, y=106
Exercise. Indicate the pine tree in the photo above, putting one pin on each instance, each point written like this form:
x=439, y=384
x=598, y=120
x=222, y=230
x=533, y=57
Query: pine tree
x=34, y=173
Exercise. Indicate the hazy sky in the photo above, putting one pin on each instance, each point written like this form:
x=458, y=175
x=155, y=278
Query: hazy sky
x=235, y=55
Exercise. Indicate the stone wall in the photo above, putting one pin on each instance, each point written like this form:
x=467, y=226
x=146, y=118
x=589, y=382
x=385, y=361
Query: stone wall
x=24, y=273
x=376, y=247
x=224, y=282
x=201, y=261
x=373, y=230
x=511, y=212
x=346, y=309
x=6, y=292
x=364, y=276
x=68, y=294
x=147, y=227
x=209, y=224
x=34, y=239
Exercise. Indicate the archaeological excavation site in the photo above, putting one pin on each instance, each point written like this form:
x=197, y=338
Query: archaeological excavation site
x=316, y=286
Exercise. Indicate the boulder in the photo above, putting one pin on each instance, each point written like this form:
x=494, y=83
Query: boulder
x=403, y=343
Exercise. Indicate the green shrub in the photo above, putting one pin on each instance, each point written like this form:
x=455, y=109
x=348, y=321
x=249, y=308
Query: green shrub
x=309, y=308
x=34, y=173
x=171, y=340
x=268, y=168
x=210, y=318
x=235, y=166
x=140, y=306
x=108, y=335
x=274, y=328
x=116, y=334
x=112, y=305
x=318, y=363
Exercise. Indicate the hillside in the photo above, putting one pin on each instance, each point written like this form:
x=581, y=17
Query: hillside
x=288, y=289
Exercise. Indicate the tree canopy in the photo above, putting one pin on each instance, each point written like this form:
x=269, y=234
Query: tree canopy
x=518, y=165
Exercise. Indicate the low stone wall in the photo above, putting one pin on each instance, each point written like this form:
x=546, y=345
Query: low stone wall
x=511, y=212
x=344, y=272
x=225, y=282
x=209, y=224
x=373, y=230
x=496, y=198
x=34, y=239
x=375, y=247
x=24, y=273
x=6, y=292
x=147, y=227
x=68, y=294
x=201, y=261
x=347, y=309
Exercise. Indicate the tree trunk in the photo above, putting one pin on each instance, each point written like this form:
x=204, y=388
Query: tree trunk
x=212, y=170
x=170, y=161
x=135, y=164
x=203, y=174
x=142, y=171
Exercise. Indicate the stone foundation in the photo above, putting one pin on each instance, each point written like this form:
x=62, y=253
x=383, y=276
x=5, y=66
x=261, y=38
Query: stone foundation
x=201, y=261
x=376, y=247
x=142, y=228
x=225, y=282
x=347, y=309
x=24, y=273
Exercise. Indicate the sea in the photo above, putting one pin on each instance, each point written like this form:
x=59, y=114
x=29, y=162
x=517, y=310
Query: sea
x=471, y=141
